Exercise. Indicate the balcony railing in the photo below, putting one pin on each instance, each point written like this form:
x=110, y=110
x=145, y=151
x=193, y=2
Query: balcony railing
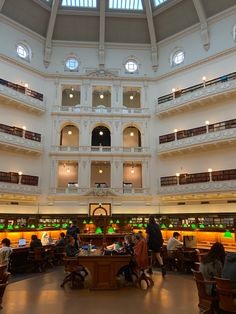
x=193, y=94
x=16, y=178
x=100, y=149
x=22, y=95
x=20, y=132
x=186, y=178
x=101, y=110
x=20, y=143
x=187, y=139
x=99, y=191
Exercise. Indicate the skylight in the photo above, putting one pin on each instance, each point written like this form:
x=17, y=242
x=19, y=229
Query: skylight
x=79, y=3
x=126, y=4
x=158, y=2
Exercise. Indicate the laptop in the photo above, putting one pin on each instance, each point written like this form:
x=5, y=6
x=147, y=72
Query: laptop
x=22, y=242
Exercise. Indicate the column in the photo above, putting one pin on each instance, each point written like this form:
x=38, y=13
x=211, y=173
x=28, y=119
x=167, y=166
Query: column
x=116, y=174
x=116, y=95
x=86, y=94
x=84, y=171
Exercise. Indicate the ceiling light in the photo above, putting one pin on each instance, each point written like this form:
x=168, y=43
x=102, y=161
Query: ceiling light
x=132, y=171
x=100, y=133
x=69, y=132
x=131, y=134
x=101, y=96
x=68, y=170
x=72, y=89
x=131, y=97
x=100, y=171
x=71, y=95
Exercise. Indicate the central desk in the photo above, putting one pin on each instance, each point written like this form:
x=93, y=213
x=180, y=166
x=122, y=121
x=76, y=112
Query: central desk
x=103, y=269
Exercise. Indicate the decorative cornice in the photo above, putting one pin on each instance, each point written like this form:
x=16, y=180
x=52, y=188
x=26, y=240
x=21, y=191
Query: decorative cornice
x=18, y=188
x=189, y=143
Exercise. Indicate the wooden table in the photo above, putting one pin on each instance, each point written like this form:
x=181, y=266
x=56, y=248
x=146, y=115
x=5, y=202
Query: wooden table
x=103, y=269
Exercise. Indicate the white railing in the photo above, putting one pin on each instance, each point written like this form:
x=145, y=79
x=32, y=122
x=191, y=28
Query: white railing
x=204, y=187
x=100, y=149
x=18, y=188
x=101, y=110
x=196, y=96
x=99, y=191
x=198, y=140
x=20, y=142
x=21, y=98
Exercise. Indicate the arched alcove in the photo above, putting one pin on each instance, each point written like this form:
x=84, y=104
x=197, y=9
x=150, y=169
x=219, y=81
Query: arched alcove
x=69, y=136
x=131, y=137
x=101, y=136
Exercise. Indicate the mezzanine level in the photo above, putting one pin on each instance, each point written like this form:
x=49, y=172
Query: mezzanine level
x=202, y=93
x=18, y=139
x=20, y=96
x=204, y=136
x=100, y=111
x=204, y=182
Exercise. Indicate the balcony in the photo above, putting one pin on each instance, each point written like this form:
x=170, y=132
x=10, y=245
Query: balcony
x=205, y=182
x=13, y=182
x=99, y=191
x=100, y=111
x=14, y=94
x=179, y=100
x=99, y=150
x=14, y=138
x=196, y=138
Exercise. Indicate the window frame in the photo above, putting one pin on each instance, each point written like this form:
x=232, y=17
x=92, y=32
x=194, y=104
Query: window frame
x=173, y=56
x=134, y=60
x=26, y=48
x=71, y=57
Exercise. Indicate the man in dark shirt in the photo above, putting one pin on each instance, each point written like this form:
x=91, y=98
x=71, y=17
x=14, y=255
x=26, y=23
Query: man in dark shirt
x=35, y=242
x=74, y=232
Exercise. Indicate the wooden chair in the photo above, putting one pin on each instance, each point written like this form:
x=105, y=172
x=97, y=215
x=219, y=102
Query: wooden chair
x=206, y=302
x=186, y=259
x=72, y=267
x=227, y=295
x=38, y=259
x=3, y=283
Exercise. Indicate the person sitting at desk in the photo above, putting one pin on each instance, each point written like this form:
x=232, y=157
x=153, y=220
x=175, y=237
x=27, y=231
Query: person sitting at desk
x=5, y=253
x=212, y=264
x=174, y=243
x=62, y=240
x=35, y=242
x=71, y=249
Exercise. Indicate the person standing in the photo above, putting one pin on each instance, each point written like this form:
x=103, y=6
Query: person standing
x=74, y=232
x=5, y=253
x=155, y=241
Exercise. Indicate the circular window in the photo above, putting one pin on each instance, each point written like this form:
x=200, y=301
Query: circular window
x=72, y=64
x=22, y=51
x=131, y=66
x=178, y=57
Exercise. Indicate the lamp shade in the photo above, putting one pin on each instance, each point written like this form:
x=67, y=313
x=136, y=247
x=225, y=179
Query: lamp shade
x=228, y=234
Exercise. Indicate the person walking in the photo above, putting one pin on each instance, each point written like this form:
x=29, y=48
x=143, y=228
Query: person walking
x=155, y=242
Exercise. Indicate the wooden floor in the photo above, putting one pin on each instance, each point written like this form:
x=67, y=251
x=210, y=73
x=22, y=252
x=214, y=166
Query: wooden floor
x=41, y=294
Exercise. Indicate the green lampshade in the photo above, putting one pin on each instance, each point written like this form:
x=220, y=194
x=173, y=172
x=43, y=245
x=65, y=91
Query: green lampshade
x=9, y=227
x=163, y=226
x=64, y=226
x=145, y=225
x=32, y=226
x=201, y=226
x=84, y=222
x=111, y=221
x=228, y=234
x=40, y=226
x=134, y=225
x=185, y=225
x=16, y=227
x=193, y=226
x=170, y=226
x=2, y=226
x=98, y=230
x=110, y=230
x=140, y=225
x=221, y=226
x=91, y=222
x=117, y=221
